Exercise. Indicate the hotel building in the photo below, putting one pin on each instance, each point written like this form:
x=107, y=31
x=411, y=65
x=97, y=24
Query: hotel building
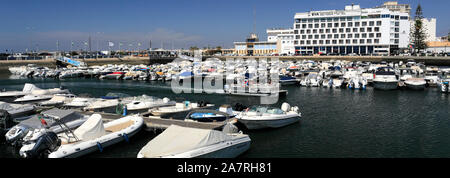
x=353, y=30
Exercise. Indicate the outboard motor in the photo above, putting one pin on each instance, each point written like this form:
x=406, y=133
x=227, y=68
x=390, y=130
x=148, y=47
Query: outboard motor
x=46, y=143
x=444, y=87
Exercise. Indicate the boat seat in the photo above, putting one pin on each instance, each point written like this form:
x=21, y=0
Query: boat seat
x=119, y=127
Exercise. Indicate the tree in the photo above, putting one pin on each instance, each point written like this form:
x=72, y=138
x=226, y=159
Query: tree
x=417, y=33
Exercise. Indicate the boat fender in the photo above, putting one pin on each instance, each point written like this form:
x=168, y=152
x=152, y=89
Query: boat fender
x=100, y=147
x=125, y=110
x=125, y=136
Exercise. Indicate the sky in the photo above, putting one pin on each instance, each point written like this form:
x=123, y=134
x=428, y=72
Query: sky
x=43, y=24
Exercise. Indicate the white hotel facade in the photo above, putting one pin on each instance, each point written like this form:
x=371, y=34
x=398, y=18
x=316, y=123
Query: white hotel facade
x=353, y=30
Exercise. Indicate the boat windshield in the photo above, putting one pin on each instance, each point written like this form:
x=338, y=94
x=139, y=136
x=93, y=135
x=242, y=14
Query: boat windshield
x=268, y=110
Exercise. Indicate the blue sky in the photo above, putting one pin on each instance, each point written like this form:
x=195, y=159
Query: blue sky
x=182, y=23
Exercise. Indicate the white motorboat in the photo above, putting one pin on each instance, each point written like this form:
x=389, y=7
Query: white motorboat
x=103, y=105
x=415, y=83
x=184, y=142
x=58, y=100
x=27, y=88
x=259, y=117
x=51, y=119
x=385, y=79
x=444, y=82
x=41, y=94
x=17, y=110
x=91, y=136
x=79, y=102
x=144, y=103
x=180, y=110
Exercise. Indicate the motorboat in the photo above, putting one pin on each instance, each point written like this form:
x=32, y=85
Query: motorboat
x=385, y=79
x=185, y=142
x=54, y=120
x=113, y=75
x=91, y=136
x=58, y=100
x=224, y=113
x=16, y=110
x=444, y=82
x=180, y=110
x=259, y=117
x=103, y=105
x=415, y=83
x=288, y=80
x=144, y=103
x=79, y=102
x=33, y=98
x=27, y=88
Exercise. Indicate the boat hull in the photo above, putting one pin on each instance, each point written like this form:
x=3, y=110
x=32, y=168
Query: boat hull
x=252, y=124
x=385, y=85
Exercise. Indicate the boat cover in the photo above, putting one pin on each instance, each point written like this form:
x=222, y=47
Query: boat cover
x=15, y=108
x=49, y=116
x=178, y=139
x=28, y=87
x=91, y=129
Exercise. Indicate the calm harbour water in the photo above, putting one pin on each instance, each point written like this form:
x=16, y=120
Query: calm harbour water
x=335, y=122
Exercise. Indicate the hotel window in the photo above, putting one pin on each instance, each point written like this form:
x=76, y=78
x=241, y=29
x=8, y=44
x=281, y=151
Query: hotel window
x=350, y=24
x=357, y=35
x=355, y=41
x=343, y=19
x=308, y=42
x=335, y=19
x=356, y=24
x=316, y=36
x=350, y=36
x=397, y=24
x=302, y=42
x=308, y=31
x=397, y=30
x=371, y=35
x=302, y=31
x=322, y=25
x=316, y=20
x=378, y=23
x=342, y=35
x=396, y=41
x=327, y=41
x=334, y=30
x=404, y=17
x=336, y=36
x=341, y=30
x=310, y=20
x=329, y=19
x=361, y=41
x=316, y=25
x=322, y=36
x=315, y=31
x=329, y=25
x=397, y=17
x=396, y=35
x=349, y=18
x=369, y=40
x=361, y=30
x=303, y=36
x=371, y=23
x=377, y=41
x=334, y=41
x=310, y=36
x=297, y=36
x=329, y=36
x=348, y=30
x=378, y=35
x=343, y=24
x=297, y=26
x=355, y=29
x=322, y=19
x=364, y=35
x=320, y=30
x=303, y=25
x=347, y=41
x=310, y=25
x=303, y=20
x=297, y=20
x=369, y=29
x=341, y=41
x=336, y=24
x=327, y=30
x=320, y=41
x=314, y=41
x=377, y=29
x=364, y=24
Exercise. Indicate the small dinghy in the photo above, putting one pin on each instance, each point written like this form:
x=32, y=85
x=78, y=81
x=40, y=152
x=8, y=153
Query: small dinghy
x=225, y=112
x=144, y=103
x=415, y=83
x=91, y=136
x=184, y=142
x=259, y=117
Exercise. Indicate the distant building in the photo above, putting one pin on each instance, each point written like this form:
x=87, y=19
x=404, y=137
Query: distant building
x=284, y=39
x=352, y=30
x=438, y=47
x=395, y=7
x=252, y=46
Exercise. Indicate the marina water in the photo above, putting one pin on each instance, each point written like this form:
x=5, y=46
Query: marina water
x=335, y=122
